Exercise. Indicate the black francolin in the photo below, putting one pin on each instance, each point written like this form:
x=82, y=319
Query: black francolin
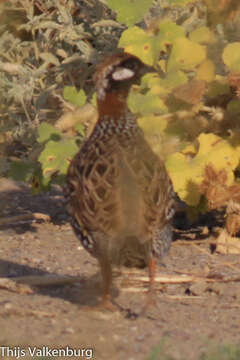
x=119, y=194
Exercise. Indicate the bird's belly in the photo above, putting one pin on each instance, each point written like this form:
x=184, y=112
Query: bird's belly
x=134, y=253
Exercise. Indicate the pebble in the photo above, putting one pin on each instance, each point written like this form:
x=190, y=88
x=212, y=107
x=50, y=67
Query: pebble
x=69, y=330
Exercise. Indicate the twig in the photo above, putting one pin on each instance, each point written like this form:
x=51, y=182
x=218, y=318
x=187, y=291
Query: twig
x=25, y=217
x=191, y=242
x=11, y=285
x=189, y=278
x=17, y=284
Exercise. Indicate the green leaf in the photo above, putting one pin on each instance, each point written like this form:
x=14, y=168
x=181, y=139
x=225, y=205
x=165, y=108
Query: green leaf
x=146, y=104
x=56, y=156
x=163, y=86
x=231, y=56
x=47, y=132
x=168, y=33
x=137, y=42
x=202, y=35
x=145, y=45
x=71, y=94
x=21, y=171
x=187, y=173
x=39, y=182
x=186, y=55
x=152, y=125
x=80, y=129
x=94, y=99
x=130, y=12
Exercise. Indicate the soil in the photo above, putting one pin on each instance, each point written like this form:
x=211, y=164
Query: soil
x=186, y=320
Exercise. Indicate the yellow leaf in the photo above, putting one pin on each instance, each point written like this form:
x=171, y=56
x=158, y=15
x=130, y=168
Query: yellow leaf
x=189, y=150
x=148, y=44
x=47, y=171
x=161, y=143
x=187, y=173
x=206, y=71
x=231, y=56
x=152, y=125
x=137, y=42
x=186, y=55
x=202, y=35
x=182, y=170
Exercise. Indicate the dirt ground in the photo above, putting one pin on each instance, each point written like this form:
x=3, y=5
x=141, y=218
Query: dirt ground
x=188, y=319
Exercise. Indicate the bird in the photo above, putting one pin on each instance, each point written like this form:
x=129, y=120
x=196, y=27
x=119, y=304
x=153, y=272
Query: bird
x=120, y=197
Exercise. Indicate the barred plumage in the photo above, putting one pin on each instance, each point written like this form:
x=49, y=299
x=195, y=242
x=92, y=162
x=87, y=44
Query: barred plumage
x=119, y=194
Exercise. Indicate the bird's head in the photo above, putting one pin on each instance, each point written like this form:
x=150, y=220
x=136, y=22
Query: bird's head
x=117, y=73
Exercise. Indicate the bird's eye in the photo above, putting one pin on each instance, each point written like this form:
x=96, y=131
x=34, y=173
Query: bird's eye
x=131, y=64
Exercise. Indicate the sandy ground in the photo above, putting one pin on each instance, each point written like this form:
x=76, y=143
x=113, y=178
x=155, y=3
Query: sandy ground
x=188, y=319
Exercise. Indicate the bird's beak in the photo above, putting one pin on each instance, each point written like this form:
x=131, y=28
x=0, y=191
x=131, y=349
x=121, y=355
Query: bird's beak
x=147, y=69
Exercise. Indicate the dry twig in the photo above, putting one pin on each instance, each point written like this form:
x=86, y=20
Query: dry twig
x=23, y=218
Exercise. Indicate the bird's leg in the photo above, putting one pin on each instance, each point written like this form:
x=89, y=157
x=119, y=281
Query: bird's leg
x=106, y=270
x=152, y=272
x=150, y=300
x=106, y=303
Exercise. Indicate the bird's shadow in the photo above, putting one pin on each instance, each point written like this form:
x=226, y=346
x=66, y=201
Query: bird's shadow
x=85, y=292
x=19, y=201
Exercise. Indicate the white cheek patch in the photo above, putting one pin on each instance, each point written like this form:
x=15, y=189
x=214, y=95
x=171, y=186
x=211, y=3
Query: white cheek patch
x=122, y=74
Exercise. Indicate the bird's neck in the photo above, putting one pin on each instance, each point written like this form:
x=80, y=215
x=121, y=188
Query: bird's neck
x=115, y=118
x=113, y=105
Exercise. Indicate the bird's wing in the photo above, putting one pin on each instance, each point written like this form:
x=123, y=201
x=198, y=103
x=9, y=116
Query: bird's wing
x=103, y=192
x=155, y=184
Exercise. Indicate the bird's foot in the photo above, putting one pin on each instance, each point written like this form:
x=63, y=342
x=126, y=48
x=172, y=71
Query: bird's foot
x=105, y=305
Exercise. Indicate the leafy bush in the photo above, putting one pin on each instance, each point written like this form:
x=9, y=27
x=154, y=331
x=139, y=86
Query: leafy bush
x=188, y=107
x=45, y=45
